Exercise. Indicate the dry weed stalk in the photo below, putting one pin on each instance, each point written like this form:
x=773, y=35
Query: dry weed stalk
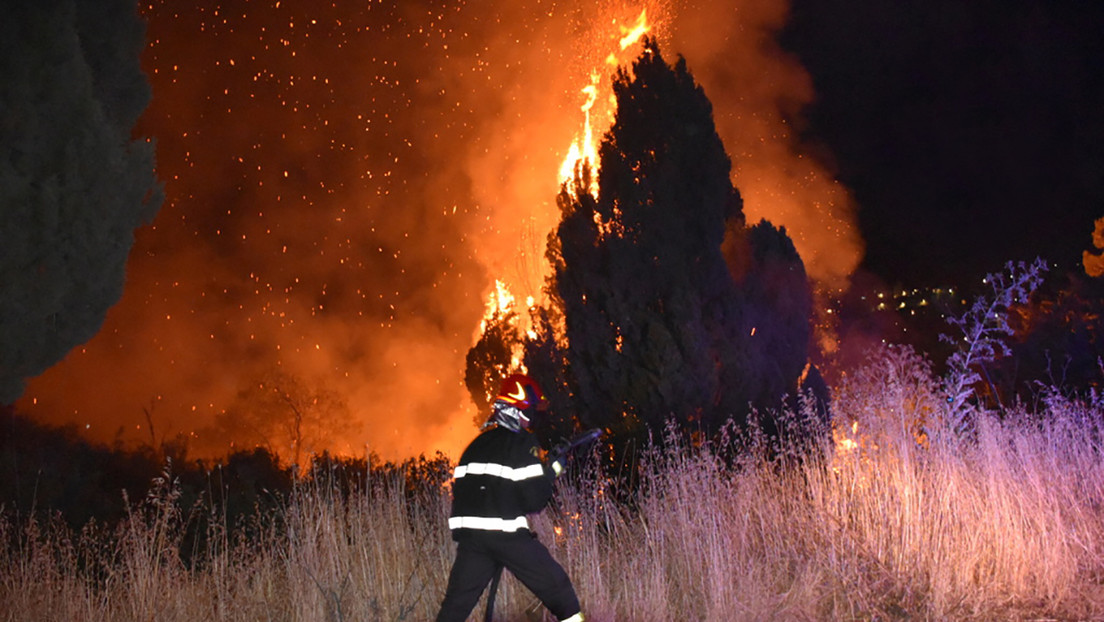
x=903, y=522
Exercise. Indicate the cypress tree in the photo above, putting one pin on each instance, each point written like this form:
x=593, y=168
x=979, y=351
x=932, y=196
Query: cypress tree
x=671, y=308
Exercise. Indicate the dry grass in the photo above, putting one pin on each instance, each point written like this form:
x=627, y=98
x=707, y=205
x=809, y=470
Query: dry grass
x=911, y=522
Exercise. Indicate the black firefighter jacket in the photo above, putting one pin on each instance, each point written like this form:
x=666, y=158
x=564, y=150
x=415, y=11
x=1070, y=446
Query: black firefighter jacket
x=500, y=479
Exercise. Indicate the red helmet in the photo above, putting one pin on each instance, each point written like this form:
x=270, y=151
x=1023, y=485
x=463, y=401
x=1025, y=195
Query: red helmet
x=521, y=391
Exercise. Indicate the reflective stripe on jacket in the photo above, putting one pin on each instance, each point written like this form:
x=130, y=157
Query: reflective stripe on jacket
x=499, y=480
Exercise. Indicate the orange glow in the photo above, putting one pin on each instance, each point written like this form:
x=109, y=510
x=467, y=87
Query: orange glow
x=347, y=183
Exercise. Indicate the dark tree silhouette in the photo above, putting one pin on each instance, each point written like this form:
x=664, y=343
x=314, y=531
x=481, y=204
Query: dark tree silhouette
x=287, y=416
x=639, y=270
x=1057, y=344
x=488, y=361
x=777, y=304
x=544, y=359
x=73, y=184
x=673, y=310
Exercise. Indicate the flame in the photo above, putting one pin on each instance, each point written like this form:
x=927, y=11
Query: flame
x=636, y=31
x=583, y=152
x=846, y=443
x=501, y=303
x=584, y=149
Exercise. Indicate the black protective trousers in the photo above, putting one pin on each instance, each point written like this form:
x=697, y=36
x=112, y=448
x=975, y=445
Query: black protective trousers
x=479, y=554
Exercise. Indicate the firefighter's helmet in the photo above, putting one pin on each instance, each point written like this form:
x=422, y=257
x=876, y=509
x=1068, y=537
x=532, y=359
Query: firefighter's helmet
x=518, y=399
x=520, y=391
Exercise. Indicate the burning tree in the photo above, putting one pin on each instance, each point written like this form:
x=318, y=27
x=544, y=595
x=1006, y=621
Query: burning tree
x=489, y=360
x=671, y=308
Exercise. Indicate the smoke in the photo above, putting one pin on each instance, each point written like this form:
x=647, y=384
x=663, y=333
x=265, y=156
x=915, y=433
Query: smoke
x=73, y=186
x=345, y=183
x=759, y=93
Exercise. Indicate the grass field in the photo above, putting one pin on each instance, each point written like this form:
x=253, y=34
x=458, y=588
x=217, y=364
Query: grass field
x=895, y=519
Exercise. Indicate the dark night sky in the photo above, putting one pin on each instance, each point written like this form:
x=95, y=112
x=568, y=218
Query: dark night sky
x=970, y=133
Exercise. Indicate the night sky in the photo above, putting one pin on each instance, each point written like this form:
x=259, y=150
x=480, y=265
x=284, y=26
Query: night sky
x=344, y=184
x=970, y=133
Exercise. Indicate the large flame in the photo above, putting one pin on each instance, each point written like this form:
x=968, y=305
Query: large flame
x=583, y=151
x=634, y=33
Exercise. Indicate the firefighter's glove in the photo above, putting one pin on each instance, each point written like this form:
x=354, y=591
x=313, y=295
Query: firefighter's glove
x=557, y=458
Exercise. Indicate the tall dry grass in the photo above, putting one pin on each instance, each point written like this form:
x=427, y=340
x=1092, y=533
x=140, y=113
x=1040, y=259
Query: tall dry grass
x=898, y=518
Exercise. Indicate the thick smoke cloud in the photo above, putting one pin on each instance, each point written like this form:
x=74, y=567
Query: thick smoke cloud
x=73, y=185
x=345, y=183
x=759, y=94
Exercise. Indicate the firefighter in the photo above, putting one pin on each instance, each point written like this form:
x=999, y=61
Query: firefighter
x=500, y=478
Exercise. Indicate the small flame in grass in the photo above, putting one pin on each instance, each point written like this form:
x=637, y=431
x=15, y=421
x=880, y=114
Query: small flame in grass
x=846, y=443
